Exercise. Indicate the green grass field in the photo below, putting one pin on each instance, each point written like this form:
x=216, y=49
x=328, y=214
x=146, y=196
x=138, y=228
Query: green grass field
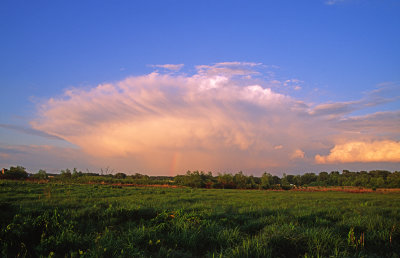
x=106, y=221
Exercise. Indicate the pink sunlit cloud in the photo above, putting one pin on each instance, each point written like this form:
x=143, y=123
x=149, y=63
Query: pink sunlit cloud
x=376, y=151
x=221, y=118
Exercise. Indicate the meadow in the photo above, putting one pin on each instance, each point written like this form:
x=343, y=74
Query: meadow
x=81, y=220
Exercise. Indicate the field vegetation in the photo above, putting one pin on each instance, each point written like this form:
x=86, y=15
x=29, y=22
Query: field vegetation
x=58, y=219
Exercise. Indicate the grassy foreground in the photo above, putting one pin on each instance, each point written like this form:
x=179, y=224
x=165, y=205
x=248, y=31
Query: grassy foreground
x=103, y=221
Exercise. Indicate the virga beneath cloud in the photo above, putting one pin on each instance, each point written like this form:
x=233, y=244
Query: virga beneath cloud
x=222, y=118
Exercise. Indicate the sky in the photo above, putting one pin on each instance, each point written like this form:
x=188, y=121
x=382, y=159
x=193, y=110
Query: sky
x=162, y=87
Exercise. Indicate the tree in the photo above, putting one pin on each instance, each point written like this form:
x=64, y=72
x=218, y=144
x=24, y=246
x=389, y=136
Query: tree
x=276, y=180
x=225, y=181
x=291, y=179
x=17, y=172
x=41, y=175
x=284, y=180
x=379, y=173
x=308, y=178
x=394, y=180
x=76, y=173
x=251, y=182
x=285, y=184
x=377, y=182
x=120, y=175
x=323, y=177
x=334, y=178
x=195, y=179
x=266, y=180
x=65, y=174
x=240, y=180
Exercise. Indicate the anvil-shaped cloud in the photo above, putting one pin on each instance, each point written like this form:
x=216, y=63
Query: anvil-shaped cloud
x=221, y=118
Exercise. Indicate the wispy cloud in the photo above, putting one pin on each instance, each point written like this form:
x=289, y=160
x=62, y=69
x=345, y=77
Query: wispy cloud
x=28, y=130
x=219, y=119
x=333, y=2
x=172, y=67
x=382, y=95
x=230, y=69
x=372, y=124
x=335, y=109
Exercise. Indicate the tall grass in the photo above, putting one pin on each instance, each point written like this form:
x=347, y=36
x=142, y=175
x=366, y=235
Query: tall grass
x=104, y=221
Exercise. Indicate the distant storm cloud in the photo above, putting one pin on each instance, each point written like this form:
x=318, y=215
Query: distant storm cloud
x=376, y=151
x=220, y=118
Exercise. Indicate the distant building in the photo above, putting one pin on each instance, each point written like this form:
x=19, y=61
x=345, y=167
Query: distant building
x=3, y=171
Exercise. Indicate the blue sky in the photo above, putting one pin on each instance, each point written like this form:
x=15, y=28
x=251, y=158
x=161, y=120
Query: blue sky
x=336, y=51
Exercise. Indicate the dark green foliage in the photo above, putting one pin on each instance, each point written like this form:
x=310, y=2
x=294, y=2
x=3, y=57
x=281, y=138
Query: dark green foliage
x=195, y=179
x=40, y=175
x=72, y=220
x=120, y=175
x=66, y=174
x=17, y=172
x=373, y=179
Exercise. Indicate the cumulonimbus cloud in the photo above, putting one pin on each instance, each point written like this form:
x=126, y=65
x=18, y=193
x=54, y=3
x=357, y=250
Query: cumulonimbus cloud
x=220, y=118
x=375, y=151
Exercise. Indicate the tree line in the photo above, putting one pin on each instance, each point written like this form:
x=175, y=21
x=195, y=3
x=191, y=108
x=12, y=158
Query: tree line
x=199, y=179
x=372, y=179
